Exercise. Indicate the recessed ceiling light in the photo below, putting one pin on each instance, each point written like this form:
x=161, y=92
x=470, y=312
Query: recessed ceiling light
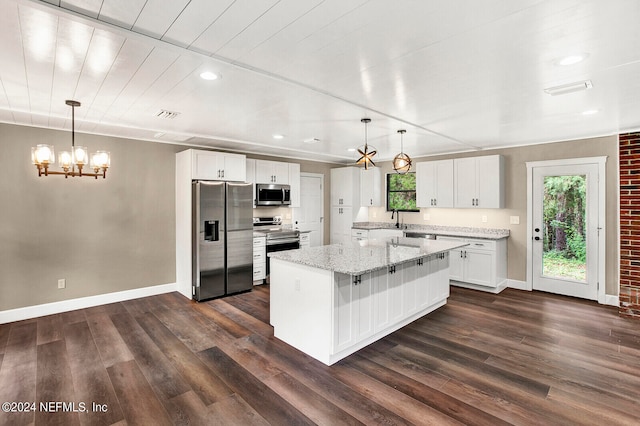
x=277, y=136
x=572, y=59
x=208, y=75
x=590, y=112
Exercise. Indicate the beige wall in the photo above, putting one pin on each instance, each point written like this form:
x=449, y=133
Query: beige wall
x=516, y=200
x=101, y=236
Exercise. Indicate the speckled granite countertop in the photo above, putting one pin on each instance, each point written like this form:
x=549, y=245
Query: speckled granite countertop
x=451, y=231
x=365, y=256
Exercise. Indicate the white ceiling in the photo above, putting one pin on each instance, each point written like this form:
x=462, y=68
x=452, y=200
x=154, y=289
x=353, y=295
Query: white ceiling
x=458, y=75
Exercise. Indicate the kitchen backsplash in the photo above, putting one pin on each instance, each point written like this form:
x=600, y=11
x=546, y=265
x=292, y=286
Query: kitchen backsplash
x=285, y=212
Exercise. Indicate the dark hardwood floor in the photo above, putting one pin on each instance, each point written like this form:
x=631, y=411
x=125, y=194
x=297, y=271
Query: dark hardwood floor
x=513, y=358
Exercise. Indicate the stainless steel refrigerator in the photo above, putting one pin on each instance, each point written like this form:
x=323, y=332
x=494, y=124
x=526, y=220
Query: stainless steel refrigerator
x=222, y=238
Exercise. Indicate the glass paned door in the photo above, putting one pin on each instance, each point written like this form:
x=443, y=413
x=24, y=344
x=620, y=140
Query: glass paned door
x=565, y=230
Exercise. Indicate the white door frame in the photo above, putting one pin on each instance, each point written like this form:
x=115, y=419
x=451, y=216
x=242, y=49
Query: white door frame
x=322, y=218
x=600, y=161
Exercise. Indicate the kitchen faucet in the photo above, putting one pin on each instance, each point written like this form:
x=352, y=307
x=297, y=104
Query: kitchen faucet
x=397, y=213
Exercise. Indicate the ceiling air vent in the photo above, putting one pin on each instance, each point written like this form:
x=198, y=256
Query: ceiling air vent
x=569, y=88
x=163, y=113
x=311, y=140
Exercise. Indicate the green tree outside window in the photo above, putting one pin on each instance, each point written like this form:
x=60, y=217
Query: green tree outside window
x=401, y=192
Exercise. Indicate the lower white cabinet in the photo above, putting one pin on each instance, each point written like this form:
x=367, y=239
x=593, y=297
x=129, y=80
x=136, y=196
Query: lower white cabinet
x=305, y=240
x=359, y=234
x=259, y=259
x=341, y=222
x=481, y=265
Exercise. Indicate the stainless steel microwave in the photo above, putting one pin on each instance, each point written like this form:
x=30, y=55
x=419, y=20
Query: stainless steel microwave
x=271, y=194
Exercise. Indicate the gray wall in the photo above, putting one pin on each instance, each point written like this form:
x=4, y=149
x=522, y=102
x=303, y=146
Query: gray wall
x=101, y=235
x=516, y=200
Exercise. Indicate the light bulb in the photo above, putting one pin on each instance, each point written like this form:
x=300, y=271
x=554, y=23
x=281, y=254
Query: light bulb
x=80, y=155
x=64, y=159
x=43, y=154
x=100, y=159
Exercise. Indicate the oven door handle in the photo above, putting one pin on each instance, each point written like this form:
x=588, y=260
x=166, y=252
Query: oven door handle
x=276, y=242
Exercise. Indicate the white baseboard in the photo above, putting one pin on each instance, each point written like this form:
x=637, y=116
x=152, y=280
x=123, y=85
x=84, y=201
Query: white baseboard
x=610, y=299
x=519, y=285
x=35, y=311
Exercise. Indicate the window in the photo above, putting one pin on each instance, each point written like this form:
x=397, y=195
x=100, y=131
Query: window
x=401, y=192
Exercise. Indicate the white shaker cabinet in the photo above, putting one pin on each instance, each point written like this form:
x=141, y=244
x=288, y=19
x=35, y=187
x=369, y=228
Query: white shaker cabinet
x=251, y=177
x=294, y=184
x=259, y=260
x=341, y=222
x=434, y=184
x=345, y=203
x=345, y=186
x=370, y=187
x=211, y=165
x=272, y=172
x=479, y=182
x=481, y=265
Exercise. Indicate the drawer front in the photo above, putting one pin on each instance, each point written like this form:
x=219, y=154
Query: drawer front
x=259, y=256
x=259, y=272
x=481, y=244
x=360, y=233
x=304, y=238
x=259, y=242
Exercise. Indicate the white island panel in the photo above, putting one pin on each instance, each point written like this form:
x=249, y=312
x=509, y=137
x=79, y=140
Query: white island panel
x=301, y=307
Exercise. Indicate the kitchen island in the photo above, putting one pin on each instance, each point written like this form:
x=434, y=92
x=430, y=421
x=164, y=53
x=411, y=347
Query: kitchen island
x=331, y=301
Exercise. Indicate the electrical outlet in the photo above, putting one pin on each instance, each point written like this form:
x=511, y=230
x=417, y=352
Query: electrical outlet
x=484, y=218
x=62, y=283
x=514, y=220
x=426, y=216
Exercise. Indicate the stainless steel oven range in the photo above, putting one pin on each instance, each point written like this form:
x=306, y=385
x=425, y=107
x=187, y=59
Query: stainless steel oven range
x=278, y=238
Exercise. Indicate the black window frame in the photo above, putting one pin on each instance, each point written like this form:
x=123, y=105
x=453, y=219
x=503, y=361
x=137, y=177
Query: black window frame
x=387, y=191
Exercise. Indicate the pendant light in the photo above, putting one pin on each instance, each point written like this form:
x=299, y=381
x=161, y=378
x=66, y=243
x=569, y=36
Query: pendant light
x=366, y=152
x=401, y=162
x=73, y=162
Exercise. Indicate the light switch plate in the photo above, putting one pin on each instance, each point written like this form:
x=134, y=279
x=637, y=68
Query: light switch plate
x=514, y=220
x=62, y=283
x=484, y=218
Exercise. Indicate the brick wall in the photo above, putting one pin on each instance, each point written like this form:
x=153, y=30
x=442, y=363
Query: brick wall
x=629, y=145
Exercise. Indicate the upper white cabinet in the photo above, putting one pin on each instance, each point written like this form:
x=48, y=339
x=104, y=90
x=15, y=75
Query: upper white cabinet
x=294, y=183
x=272, y=172
x=211, y=165
x=345, y=186
x=479, y=182
x=434, y=184
x=370, y=187
x=345, y=203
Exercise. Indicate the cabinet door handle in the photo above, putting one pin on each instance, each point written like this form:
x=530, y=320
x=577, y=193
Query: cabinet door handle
x=435, y=201
x=222, y=173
